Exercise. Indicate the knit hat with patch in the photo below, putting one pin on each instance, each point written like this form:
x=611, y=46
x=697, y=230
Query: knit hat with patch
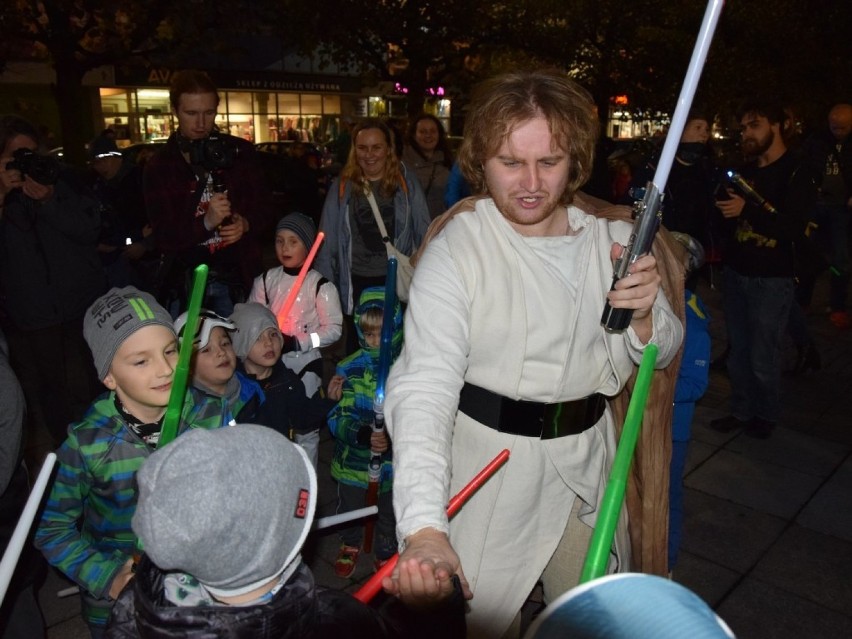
x=231, y=506
x=251, y=319
x=301, y=225
x=114, y=317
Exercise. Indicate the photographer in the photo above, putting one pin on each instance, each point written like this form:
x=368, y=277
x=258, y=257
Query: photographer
x=50, y=273
x=207, y=201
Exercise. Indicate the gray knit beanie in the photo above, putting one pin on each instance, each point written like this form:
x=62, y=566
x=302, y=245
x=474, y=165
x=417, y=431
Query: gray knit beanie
x=301, y=225
x=114, y=317
x=251, y=319
x=231, y=506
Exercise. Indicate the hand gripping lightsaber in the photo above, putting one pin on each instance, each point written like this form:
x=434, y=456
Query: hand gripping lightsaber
x=371, y=588
x=747, y=190
x=647, y=212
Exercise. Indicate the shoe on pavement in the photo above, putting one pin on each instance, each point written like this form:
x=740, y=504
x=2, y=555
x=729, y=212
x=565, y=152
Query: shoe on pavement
x=840, y=319
x=346, y=560
x=727, y=424
x=760, y=428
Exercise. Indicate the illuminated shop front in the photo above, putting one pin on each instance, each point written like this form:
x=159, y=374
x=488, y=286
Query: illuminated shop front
x=259, y=107
x=253, y=107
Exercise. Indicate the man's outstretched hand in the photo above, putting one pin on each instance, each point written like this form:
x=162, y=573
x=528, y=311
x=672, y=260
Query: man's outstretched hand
x=423, y=576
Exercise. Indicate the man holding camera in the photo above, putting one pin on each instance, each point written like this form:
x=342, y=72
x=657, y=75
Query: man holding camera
x=50, y=273
x=206, y=199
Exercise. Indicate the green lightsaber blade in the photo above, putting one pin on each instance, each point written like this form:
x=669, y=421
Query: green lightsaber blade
x=175, y=406
x=601, y=542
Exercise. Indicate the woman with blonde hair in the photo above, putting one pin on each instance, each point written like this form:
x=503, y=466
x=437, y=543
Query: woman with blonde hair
x=373, y=183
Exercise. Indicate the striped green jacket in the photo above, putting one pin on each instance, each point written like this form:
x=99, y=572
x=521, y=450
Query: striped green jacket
x=85, y=528
x=354, y=411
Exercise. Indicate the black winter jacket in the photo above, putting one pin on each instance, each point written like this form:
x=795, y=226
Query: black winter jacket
x=300, y=610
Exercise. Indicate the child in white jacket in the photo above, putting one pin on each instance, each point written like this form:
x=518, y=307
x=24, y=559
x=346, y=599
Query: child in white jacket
x=314, y=320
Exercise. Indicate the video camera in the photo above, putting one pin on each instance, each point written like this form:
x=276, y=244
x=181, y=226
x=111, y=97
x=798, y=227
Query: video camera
x=216, y=151
x=40, y=168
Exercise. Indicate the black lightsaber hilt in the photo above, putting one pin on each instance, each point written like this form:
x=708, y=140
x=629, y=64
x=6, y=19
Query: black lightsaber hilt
x=647, y=214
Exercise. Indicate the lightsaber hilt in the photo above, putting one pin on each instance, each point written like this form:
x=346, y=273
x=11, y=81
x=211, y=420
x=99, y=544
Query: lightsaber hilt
x=749, y=192
x=648, y=213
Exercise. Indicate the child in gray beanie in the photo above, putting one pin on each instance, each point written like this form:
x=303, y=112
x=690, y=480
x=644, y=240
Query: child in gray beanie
x=85, y=527
x=315, y=319
x=258, y=343
x=222, y=516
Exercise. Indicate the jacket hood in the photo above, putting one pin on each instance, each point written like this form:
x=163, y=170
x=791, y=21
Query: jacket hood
x=143, y=611
x=374, y=297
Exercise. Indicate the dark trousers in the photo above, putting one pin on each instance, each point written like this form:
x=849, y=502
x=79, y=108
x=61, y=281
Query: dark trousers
x=354, y=497
x=756, y=313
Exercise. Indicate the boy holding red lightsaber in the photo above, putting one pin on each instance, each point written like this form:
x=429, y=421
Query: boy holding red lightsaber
x=307, y=307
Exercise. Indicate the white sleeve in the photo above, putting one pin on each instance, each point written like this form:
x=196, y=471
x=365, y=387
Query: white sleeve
x=423, y=391
x=667, y=333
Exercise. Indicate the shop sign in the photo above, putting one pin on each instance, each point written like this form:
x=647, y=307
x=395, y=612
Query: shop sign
x=288, y=85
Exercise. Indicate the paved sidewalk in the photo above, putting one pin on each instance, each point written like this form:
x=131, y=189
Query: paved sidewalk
x=768, y=523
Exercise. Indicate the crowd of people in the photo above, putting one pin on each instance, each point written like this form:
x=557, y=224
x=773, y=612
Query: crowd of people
x=498, y=345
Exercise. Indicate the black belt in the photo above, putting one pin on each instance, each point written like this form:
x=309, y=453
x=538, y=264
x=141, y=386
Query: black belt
x=530, y=419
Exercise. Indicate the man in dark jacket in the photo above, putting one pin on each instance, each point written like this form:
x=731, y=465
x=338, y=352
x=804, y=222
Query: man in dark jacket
x=223, y=517
x=760, y=267
x=830, y=154
x=207, y=199
x=50, y=273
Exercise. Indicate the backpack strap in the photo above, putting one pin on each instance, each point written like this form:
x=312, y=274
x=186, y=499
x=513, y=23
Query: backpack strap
x=320, y=282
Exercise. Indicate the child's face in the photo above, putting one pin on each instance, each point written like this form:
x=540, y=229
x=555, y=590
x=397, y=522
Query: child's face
x=289, y=249
x=266, y=350
x=373, y=336
x=215, y=363
x=142, y=371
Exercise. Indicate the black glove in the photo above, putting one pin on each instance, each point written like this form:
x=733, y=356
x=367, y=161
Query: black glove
x=290, y=343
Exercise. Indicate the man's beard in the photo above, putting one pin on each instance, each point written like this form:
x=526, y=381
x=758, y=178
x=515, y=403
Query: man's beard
x=755, y=147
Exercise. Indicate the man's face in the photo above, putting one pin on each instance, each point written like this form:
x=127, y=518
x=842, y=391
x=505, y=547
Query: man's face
x=757, y=134
x=196, y=114
x=527, y=177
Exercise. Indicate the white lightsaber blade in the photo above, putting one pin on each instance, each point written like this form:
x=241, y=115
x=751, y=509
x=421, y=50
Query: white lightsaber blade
x=333, y=520
x=25, y=522
x=687, y=92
